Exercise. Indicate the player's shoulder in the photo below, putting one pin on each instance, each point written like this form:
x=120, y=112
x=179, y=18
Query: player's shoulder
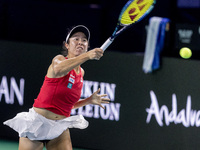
x=59, y=57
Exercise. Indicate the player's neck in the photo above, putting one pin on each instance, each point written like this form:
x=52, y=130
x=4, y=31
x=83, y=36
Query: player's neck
x=77, y=70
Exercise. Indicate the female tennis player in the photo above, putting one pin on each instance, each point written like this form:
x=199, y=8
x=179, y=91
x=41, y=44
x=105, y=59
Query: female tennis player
x=48, y=122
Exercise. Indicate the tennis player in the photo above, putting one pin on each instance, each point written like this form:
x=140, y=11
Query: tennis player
x=47, y=123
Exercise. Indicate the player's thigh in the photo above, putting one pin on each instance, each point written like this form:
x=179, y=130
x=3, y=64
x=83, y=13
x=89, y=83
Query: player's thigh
x=26, y=144
x=63, y=142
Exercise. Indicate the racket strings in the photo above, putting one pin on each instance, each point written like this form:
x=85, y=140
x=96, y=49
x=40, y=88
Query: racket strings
x=134, y=10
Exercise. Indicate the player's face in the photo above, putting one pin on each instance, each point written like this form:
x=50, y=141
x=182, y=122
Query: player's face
x=78, y=44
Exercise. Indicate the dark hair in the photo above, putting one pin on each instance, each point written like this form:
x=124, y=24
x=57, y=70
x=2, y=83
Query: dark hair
x=64, y=50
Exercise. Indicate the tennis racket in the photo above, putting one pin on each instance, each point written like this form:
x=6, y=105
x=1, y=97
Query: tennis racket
x=132, y=12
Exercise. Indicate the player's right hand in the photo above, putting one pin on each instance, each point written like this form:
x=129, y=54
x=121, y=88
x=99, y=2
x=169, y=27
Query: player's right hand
x=95, y=53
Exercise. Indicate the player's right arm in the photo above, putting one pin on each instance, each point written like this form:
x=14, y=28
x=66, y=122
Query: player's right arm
x=60, y=66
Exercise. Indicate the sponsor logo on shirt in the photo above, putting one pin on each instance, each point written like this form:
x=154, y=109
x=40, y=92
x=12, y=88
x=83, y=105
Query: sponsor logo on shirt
x=71, y=80
x=69, y=85
x=72, y=76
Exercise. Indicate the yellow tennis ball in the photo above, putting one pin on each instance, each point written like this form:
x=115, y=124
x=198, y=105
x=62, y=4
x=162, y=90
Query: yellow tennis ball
x=185, y=53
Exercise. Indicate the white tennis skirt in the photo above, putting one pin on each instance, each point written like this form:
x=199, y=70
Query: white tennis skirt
x=36, y=127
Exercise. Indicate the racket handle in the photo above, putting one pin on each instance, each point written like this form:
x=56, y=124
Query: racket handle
x=106, y=44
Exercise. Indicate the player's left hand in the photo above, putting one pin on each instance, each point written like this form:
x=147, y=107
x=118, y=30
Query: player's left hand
x=98, y=99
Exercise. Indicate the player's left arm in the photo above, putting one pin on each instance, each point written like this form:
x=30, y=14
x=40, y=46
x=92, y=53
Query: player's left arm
x=94, y=99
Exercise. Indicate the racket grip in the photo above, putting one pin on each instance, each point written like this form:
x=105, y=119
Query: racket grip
x=106, y=44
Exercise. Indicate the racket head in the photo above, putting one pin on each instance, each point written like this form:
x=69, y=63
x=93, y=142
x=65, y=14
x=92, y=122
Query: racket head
x=134, y=11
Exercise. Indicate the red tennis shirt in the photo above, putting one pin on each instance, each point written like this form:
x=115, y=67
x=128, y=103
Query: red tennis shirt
x=59, y=95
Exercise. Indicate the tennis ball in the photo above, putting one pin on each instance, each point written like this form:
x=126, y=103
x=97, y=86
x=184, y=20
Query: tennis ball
x=185, y=53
